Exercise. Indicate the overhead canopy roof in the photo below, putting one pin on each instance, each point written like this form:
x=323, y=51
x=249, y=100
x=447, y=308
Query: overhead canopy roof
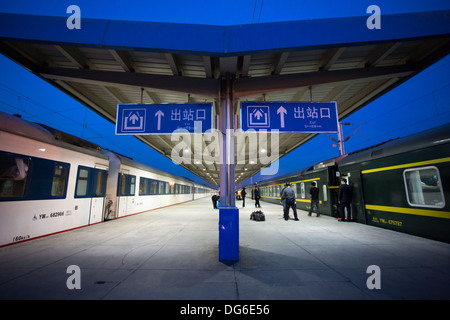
x=107, y=62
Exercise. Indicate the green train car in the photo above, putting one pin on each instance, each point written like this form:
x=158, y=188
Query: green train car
x=402, y=184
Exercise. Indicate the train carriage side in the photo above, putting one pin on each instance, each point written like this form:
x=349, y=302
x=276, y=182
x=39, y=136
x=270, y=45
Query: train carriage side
x=404, y=185
x=46, y=185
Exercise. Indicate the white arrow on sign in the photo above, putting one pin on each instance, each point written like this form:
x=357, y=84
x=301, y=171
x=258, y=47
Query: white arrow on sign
x=159, y=114
x=282, y=111
x=134, y=118
x=258, y=114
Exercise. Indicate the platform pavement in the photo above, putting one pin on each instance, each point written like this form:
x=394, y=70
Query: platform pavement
x=172, y=253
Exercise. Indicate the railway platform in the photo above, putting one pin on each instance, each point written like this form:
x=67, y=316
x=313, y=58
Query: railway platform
x=172, y=254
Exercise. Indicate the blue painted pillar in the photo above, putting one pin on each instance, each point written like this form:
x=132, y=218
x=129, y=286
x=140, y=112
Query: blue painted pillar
x=228, y=213
x=228, y=234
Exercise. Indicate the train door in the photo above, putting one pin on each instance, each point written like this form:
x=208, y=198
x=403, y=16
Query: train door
x=354, y=179
x=98, y=193
x=347, y=177
x=122, y=200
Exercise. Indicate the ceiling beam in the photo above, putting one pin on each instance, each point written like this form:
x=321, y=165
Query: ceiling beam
x=152, y=96
x=123, y=59
x=116, y=94
x=208, y=66
x=174, y=64
x=74, y=55
x=300, y=93
x=201, y=86
x=329, y=58
x=255, y=85
x=279, y=61
x=245, y=65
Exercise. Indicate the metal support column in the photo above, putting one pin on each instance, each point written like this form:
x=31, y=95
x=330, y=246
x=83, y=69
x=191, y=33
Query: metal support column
x=341, y=139
x=228, y=213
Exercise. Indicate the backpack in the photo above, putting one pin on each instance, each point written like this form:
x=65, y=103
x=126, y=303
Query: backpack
x=257, y=216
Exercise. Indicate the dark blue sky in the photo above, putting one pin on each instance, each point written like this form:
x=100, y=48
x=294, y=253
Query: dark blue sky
x=418, y=104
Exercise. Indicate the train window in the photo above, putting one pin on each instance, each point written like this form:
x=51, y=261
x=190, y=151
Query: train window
x=325, y=193
x=144, y=187
x=82, y=182
x=13, y=175
x=59, y=183
x=132, y=185
x=31, y=178
x=294, y=187
x=127, y=185
x=122, y=185
x=99, y=183
x=162, y=187
x=423, y=187
x=153, y=187
x=302, y=190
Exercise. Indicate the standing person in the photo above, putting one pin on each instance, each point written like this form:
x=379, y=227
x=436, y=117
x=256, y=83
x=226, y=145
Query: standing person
x=289, y=196
x=283, y=201
x=243, y=193
x=314, y=195
x=257, y=196
x=214, y=199
x=345, y=199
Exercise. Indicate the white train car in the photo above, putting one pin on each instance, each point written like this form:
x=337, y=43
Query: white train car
x=52, y=182
x=46, y=185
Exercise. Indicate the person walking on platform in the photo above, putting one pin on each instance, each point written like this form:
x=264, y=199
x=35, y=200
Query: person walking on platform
x=243, y=193
x=289, y=196
x=257, y=197
x=314, y=195
x=345, y=200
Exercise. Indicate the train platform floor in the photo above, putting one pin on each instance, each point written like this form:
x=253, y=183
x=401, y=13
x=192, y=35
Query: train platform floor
x=172, y=254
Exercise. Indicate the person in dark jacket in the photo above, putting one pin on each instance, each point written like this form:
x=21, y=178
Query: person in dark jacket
x=214, y=199
x=289, y=196
x=257, y=197
x=345, y=200
x=243, y=193
x=314, y=196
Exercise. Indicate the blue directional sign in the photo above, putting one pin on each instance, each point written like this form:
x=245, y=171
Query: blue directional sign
x=143, y=119
x=312, y=117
